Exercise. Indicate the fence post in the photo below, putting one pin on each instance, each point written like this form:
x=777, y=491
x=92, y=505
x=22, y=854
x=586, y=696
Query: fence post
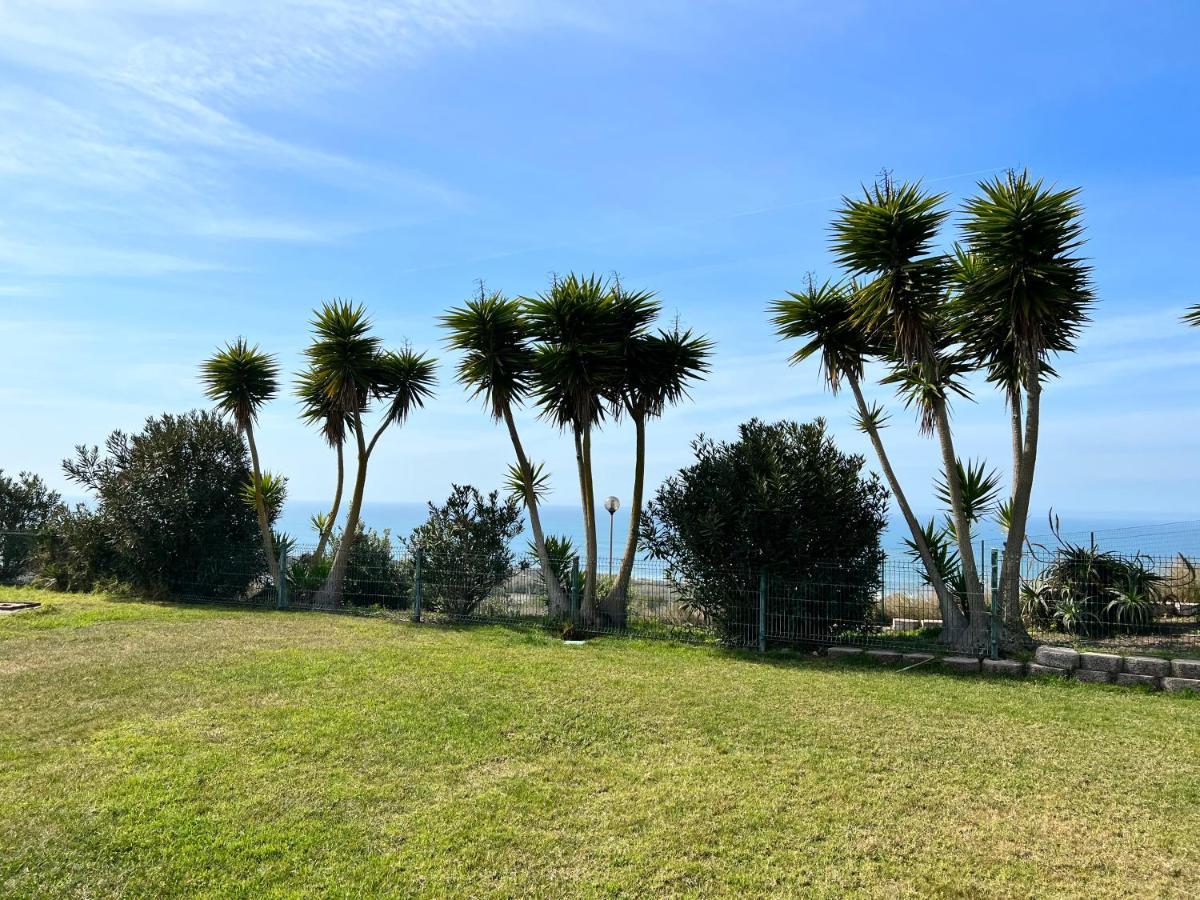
x=417, y=560
x=281, y=597
x=762, y=611
x=574, y=590
x=994, y=641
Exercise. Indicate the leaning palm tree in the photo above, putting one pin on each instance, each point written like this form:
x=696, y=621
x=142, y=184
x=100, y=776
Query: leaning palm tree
x=240, y=379
x=1025, y=295
x=577, y=359
x=823, y=317
x=657, y=371
x=354, y=371
x=497, y=364
x=318, y=408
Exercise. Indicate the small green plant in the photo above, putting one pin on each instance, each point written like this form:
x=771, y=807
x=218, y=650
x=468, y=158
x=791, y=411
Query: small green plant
x=1089, y=592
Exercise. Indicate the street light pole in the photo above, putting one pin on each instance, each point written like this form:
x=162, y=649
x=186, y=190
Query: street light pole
x=612, y=504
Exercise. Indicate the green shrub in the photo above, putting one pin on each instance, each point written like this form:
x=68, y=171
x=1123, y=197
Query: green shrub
x=28, y=508
x=169, y=518
x=781, y=498
x=376, y=573
x=465, y=546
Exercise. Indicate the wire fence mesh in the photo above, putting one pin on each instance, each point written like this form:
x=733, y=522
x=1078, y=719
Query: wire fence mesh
x=1071, y=593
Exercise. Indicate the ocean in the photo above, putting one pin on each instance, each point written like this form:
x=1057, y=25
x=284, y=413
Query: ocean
x=1127, y=534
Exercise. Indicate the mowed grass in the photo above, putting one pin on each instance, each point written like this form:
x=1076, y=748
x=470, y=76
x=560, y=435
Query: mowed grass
x=152, y=750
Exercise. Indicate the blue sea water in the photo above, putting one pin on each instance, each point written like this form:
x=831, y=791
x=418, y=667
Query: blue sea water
x=1130, y=533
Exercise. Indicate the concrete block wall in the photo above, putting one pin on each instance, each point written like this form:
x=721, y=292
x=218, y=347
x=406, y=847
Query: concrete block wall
x=1054, y=662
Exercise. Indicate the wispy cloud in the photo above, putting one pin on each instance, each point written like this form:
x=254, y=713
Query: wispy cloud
x=141, y=114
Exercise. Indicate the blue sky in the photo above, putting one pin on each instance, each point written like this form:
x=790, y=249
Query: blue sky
x=174, y=173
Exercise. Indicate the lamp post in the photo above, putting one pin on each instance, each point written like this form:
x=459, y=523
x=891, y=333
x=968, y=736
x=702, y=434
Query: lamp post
x=612, y=504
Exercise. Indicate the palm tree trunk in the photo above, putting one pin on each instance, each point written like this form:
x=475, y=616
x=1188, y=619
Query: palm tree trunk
x=975, y=638
x=558, y=604
x=337, y=503
x=1016, y=637
x=583, y=455
x=953, y=621
x=260, y=507
x=331, y=592
x=616, y=605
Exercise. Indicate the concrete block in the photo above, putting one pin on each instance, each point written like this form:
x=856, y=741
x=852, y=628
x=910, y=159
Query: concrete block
x=1011, y=667
x=1147, y=665
x=931, y=623
x=886, y=657
x=1128, y=679
x=905, y=624
x=1059, y=657
x=963, y=664
x=1101, y=662
x=1040, y=671
x=1175, y=685
x=843, y=652
x=912, y=659
x=1185, y=668
x=1092, y=676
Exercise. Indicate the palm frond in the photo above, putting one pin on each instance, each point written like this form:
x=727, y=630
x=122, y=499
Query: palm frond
x=240, y=379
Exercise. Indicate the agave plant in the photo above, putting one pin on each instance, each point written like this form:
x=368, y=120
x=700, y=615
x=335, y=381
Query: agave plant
x=1093, y=593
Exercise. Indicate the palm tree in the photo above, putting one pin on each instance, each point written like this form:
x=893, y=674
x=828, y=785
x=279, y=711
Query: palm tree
x=1192, y=316
x=1025, y=295
x=353, y=369
x=240, y=379
x=657, y=371
x=318, y=408
x=577, y=360
x=497, y=364
x=888, y=236
x=823, y=317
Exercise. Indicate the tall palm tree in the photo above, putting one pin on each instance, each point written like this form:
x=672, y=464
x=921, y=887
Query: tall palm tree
x=497, y=363
x=240, y=379
x=318, y=408
x=657, y=371
x=577, y=359
x=354, y=370
x=1025, y=295
x=888, y=236
x=823, y=317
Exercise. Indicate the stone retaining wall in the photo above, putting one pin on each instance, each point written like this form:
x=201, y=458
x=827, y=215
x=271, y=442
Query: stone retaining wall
x=1055, y=662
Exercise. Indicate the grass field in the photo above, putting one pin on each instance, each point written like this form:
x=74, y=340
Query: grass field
x=150, y=750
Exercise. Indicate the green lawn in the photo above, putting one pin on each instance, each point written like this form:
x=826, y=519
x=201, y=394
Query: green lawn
x=152, y=750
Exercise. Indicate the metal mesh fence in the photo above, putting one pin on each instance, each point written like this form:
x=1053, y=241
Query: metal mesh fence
x=1070, y=593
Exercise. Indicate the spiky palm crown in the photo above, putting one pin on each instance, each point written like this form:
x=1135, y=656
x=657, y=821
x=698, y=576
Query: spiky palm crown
x=343, y=354
x=885, y=238
x=317, y=407
x=497, y=360
x=577, y=354
x=240, y=379
x=823, y=317
x=938, y=378
x=404, y=379
x=1192, y=316
x=659, y=369
x=1025, y=292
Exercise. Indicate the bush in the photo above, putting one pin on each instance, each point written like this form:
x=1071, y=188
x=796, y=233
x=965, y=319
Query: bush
x=169, y=517
x=782, y=499
x=28, y=508
x=1090, y=593
x=376, y=575
x=465, y=548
